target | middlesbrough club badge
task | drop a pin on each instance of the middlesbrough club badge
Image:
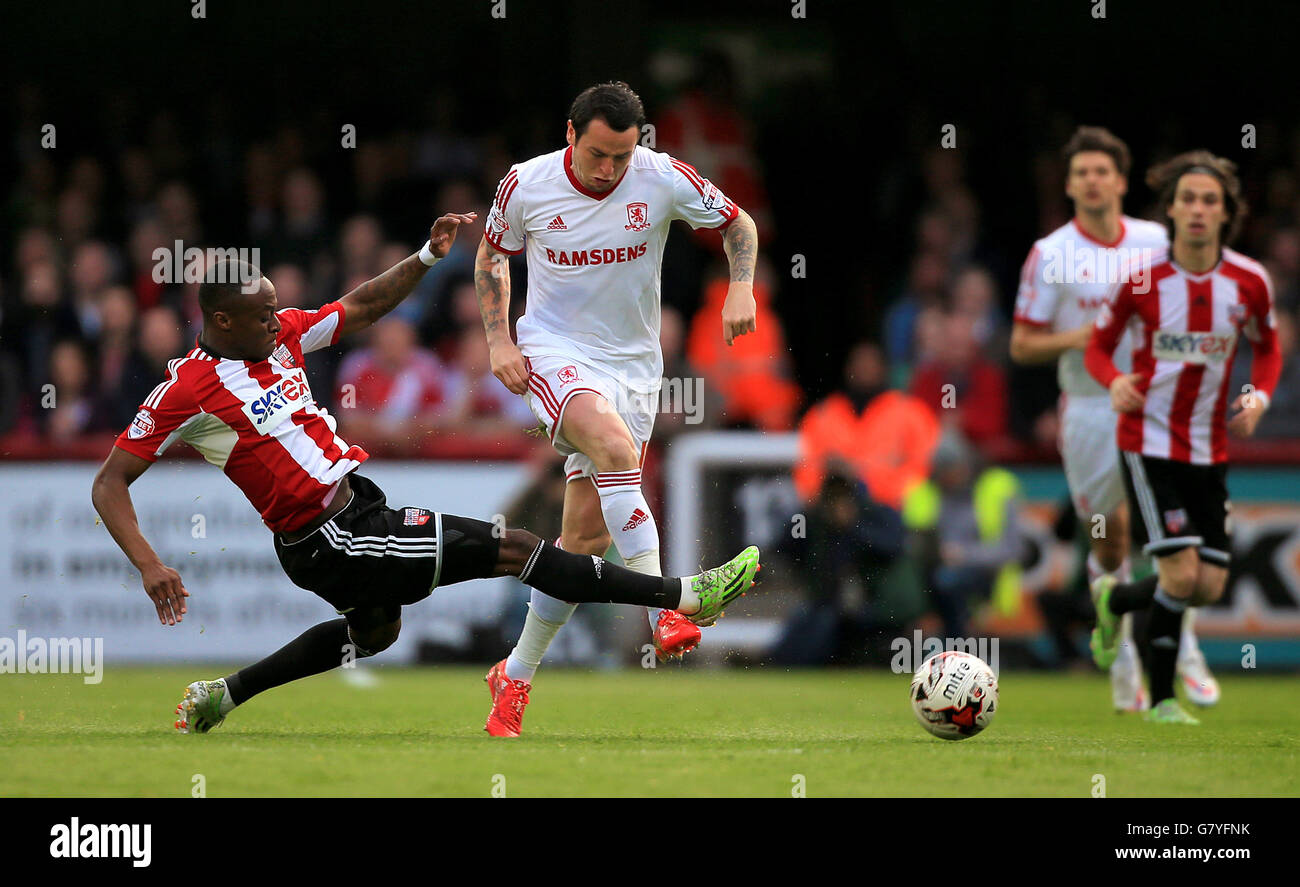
(567, 375)
(638, 217)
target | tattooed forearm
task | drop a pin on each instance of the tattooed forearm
(375, 298)
(492, 284)
(740, 241)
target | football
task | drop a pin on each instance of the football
(954, 695)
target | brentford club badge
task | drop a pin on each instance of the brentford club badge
(567, 375)
(1176, 520)
(1236, 313)
(638, 217)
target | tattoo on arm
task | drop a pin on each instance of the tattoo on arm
(382, 294)
(492, 285)
(740, 241)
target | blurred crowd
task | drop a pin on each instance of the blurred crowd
(87, 323)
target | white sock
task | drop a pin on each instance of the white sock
(1127, 656)
(546, 616)
(227, 704)
(1188, 643)
(631, 525)
(690, 602)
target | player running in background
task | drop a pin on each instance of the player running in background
(594, 217)
(240, 397)
(1063, 283)
(1186, 312)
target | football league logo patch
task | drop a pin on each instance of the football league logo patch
(415, 517)
(712, 197)
(141, 426)
(283, 354)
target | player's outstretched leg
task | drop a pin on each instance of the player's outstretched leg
(1199, 684)
(319, 649)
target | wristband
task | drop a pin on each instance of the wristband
(1263, 398)
(427, 256)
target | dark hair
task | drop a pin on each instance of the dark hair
(1163, 179)
(613, 102)
(223, 282)
(1098, 138)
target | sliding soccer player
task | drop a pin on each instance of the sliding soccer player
(1187, 311)
(240, 397)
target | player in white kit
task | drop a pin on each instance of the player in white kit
(1063, 284)
(593, 218)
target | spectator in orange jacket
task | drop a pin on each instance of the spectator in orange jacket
(886, 436)
(752, 373)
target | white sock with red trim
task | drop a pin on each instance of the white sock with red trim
(546, 616)
(630, 523)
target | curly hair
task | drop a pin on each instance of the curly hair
(1163, 179)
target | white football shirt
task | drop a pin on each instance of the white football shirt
(594, 258)
(1068, 276)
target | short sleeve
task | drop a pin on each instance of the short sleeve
(160, 418)
(1036, 299)
(505, 222)
(312, 329)
(698, 201)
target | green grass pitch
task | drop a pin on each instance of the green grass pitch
(669, 732)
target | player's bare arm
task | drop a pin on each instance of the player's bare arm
(112, 500)
(740, 241)
(375, 298)
(1249, 409)
(492, 285)
(1031, 345)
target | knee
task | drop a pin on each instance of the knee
(1209, 591)
(377, 639)
(1110, 553)
(516, 547)
(1179, 581)
(612, 451)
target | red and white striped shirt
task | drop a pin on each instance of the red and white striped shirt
(1186, 329)
(255, 420)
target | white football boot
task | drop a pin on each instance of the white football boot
(1201, 687)
(1127, 689)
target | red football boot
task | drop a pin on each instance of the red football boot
(674, 635)
(509, 699)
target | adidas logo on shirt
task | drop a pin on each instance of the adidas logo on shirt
(557, 224)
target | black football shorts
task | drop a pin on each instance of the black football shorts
(372, 557)
(1176, 505)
